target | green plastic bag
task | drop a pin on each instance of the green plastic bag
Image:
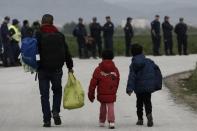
(73, 93)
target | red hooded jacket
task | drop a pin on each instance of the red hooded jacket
(106, 79)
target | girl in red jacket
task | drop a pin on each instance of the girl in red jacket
(106, 79)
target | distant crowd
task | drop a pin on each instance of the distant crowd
(88, 43)
(10, 38)
(92, 44)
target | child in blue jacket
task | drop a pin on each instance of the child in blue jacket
(143, 81)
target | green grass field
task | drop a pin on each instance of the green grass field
(191, 83)
(144, 40)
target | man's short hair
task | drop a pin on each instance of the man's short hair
(7, 18)
(157, 16)
(107, 55)
(36, 23)
(129, 18)
(136, 49)
(181, 19)
(108, 17)
(47, 19)
(166, 17)
(25, 22)
(94, 19)
(80, 19)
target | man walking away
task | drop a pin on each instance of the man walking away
(167, 34)
(15, 40)
(108, 31)
(156, 37)
(80, 33)
(5, 36)
(181, 31)
(53, 52)
(95, 31)
(128, 29)
(24, 29)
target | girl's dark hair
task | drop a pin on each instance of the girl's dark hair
(107, 55)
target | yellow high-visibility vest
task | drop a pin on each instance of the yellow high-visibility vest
(17, 35)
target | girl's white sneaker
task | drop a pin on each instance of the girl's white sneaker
(111, 125)
(102, 124)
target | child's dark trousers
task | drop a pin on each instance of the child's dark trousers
(143, 99)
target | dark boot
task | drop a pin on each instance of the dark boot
(150, 120)
(139, 122)
(47, 124)
(57, 119)
(140, 118)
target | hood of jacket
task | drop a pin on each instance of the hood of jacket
(138, 61)
(107, 66)
(48, 28)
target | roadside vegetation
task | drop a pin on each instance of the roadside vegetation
(191, 84)
(184, 87)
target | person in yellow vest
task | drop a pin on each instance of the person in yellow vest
(15, 40)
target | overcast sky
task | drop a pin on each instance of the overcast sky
(70, 10)
(153, 1)
(173, 8)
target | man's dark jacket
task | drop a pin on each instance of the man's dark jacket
(181, 29)
(4, 33)
(128, 29)
(167, 29)
(108, 30)
(52, 29)
(95, 30)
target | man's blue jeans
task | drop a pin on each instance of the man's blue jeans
(55, 78)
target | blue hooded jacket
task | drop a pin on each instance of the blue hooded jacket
(142, 75)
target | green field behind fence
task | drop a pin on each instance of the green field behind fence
(144, 40)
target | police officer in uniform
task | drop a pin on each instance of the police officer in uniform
(156, 37)
(108, 31)
(181, 31)
(167, 34)
(95, 32)
(5, 37)
(80, 33)
(128, 29)
(15, 33)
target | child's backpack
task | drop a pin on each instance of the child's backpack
(29, 50)
(158, 78)
(149, 78)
